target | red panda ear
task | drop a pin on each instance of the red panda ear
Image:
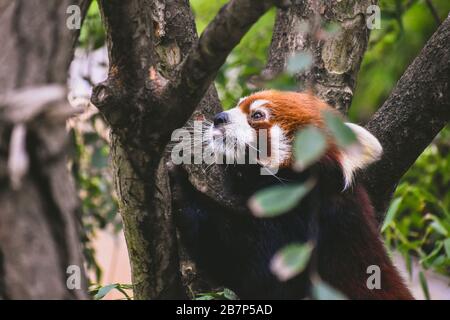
(360, 155)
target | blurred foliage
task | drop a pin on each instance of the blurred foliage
(418, 222)
(225, 294)
(405, 28)
(99, 292)
(323, 291)
(91, 162)
(92, 35)
(94, 182)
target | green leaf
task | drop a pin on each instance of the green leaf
(409, 265)
(276, 200)
(341, 132)
(291, 260)
(439, 227)
(226, 294)
(122, 289)
(229, 295)
(299, 62)
(424, 285)
(323, 291)
(103, 291)
(205, 297)
(447, 247)
(390, 215)
(425, 261)
(309, 146)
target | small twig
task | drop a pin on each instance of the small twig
(433, 11)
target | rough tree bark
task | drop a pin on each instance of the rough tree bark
(336, 59)
(39, 227)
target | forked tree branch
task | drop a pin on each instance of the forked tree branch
(130, 40)
(415, 112)
(200, 67)
(132, 34)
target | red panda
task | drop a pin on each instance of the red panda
(236, 249)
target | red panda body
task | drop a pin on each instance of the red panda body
(235, 249)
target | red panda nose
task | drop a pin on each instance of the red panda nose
(221, 119)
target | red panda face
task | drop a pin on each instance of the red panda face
(273, 118)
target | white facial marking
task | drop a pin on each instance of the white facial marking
(232, 139)
(280, 148)
(280, 144)
(258, 103)
(237, 116)
(360, 155)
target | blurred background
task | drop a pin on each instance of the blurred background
(417, 226)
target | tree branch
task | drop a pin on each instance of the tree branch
(129, 31)
(415, 112)
(200, 68)
(130, 39)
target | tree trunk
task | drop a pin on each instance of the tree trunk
(337, 56)
(39, 226)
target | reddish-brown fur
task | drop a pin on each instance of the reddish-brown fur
(359, 247)
(292, 111)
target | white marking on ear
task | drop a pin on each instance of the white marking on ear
(361, 154)
(241, 100)
(258, 103)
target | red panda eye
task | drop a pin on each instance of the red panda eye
(258, 115)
